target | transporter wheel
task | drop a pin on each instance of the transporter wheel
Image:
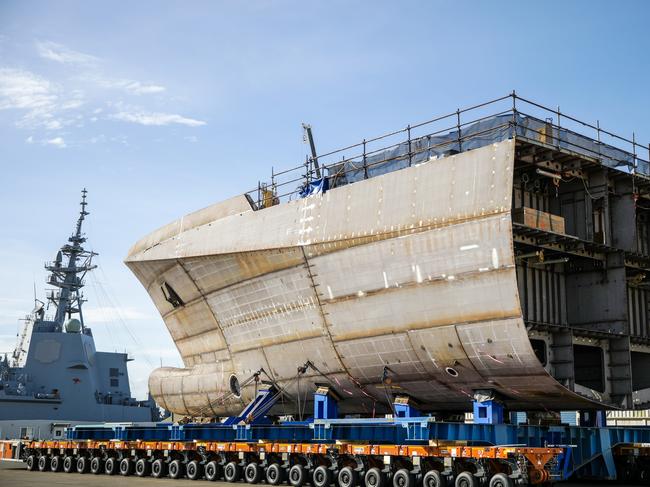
(96, 465)
(194, 470)
(43, 463)
(465, 479)
(374, 478)
(403, 478)
(501, 480)
(56, 463)
(32, 462)
(83, 465)
(348, 477)
(69, 464)
(232, 472)
(110, 466)
(158, 468)
(142, 467)
(433, 478)
(213, 471)
(253, 473)
(274, 474)
(297, 475)
(175, 469)
(322, 476)
(126, 467)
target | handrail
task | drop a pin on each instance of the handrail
(304, 173)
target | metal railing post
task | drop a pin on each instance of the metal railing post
(514, 113)
(600, 159)
(365, 165)
(559, 125)
(460, 146)
(634, 151)
(408, 131)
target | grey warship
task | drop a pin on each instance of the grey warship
(55, 377)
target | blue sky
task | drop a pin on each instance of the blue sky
(161, 108)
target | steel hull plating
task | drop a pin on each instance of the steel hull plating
(413, 270)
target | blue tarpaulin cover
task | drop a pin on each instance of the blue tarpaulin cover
(317, 186)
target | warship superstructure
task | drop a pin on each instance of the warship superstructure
(503, 258)
(55, 376)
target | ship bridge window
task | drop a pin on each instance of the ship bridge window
(115, 382)
(113, 372)
(171, 296)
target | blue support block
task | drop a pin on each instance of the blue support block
(325, 404)
(488, 412)
(403, 408)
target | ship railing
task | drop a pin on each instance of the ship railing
(509, 116)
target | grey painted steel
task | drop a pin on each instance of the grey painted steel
(413, 270)
(56, 375)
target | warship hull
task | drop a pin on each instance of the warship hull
(404, 283)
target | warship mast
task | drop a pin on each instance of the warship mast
(69, 276)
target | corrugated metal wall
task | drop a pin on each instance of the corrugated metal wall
(542, 293)
(637, 303)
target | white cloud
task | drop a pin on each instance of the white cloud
(24, 90)
(30, 140)
(157, 119)
(41, 101)
(110, 314)
(191, 138)
(57, 142)
(130, 86)
(62, 54)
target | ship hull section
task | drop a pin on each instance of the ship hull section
(403, 283)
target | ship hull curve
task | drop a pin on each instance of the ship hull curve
(401, 284)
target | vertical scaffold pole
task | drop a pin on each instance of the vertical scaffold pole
(408, 131)
(365, 164)
(460, 146)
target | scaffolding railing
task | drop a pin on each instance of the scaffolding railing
(464, 129)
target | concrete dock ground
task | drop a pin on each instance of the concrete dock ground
(14, 474)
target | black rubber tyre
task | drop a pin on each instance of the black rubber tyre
(97, 465)
(142, 467)
(194, 470)
(465, 479)
(348, 477)
(321, 476)
(374, 478)
(69, 464)
(213, 471)
(176, 469)
(56, 464)
(433, 478)
(43, 463)
(83, 465)
(275, 474)
(110, 466)
(297, 475)
(253, 473)
(501, 480)
(126, 467)
(32, 462)
(158, 468)
(232, 472)
(403, 478)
